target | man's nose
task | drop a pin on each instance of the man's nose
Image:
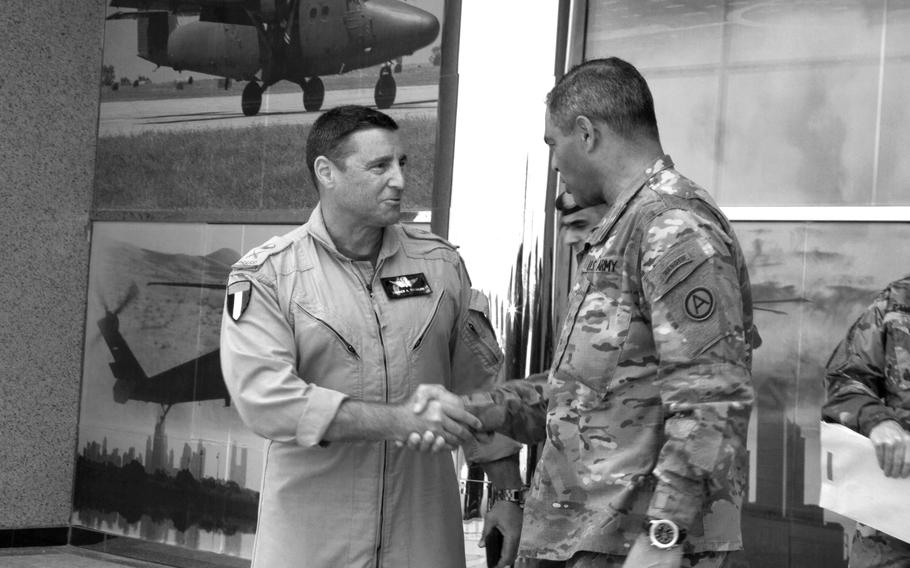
(396, 178)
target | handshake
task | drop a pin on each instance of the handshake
(437, 419)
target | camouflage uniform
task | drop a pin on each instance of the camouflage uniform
(647, 404)
(868, 382)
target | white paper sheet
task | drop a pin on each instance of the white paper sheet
(855, 486)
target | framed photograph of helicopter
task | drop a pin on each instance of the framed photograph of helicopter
(206, 104)
(163, 455)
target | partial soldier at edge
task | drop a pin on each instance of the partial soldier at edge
(867, 380)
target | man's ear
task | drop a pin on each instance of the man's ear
(324, 170)
(586, 131)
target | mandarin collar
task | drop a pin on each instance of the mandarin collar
(391, 240)
(603, 228)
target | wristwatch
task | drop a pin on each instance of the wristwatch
(664, 533)
(516, 496)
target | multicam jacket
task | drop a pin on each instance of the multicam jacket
(647, 403)
(868, 375)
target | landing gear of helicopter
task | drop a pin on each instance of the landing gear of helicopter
(313, 94)
(251, 99)
(384, 93)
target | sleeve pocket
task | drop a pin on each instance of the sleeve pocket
(673, 268)
(479, 335)
(478, 358)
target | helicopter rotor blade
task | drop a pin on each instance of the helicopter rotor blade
(131, 294)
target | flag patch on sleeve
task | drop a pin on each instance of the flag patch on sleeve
(238, 298)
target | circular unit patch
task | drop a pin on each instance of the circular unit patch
(699, 304)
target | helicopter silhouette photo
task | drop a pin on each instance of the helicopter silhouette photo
(162, 453)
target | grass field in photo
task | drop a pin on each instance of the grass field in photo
(260, 167)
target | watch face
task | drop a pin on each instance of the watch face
(664, 533)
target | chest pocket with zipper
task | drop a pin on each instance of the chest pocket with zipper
(328, 352)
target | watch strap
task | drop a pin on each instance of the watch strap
(516, 496)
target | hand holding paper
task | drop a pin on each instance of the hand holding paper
(892, 448)
(854, 485)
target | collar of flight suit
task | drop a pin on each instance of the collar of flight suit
(603, 228)
(391, 239)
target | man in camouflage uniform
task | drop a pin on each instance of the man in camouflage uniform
(646, 407)
(868, 384)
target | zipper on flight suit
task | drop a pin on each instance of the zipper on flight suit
(426, 327)
(326, 324)
(385, 367)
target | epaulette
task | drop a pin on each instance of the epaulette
(422, 235)
(258, 255)
(480, 302)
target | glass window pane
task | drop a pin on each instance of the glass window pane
(893, 166)
(661, 33)
(686, 109)
(787, 31)
(799, 136)
(787, 102)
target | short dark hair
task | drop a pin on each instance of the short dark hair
(331, 130)
(611, 90)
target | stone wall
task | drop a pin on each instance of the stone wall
(49, 76)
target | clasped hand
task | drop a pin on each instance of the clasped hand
(441, 421)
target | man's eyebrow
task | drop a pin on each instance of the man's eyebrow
(379, 160)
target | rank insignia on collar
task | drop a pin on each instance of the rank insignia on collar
(406, 286)
(238, 298)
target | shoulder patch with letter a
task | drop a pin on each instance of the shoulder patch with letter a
(406, 286)
(699, 304)
(238, 298)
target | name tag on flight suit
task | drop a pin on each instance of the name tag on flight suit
(406, 286)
